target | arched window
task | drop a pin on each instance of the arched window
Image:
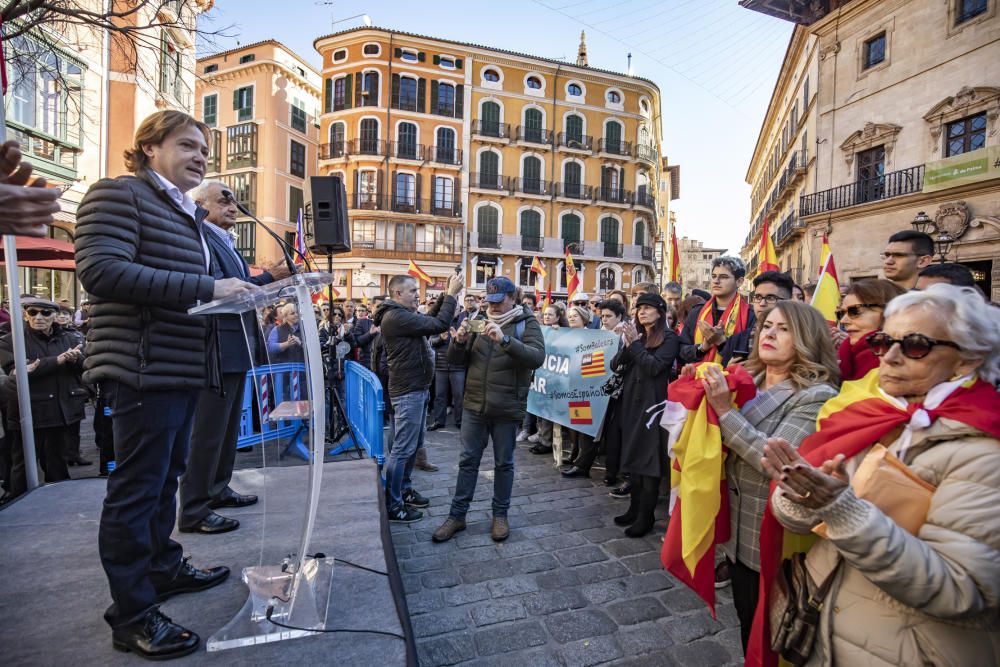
(613, 137)
(574, 128)
(563, 280)
(533, 82)
(534, 129)
(491, 75)
(643, 135)
(571, 229)
(608, 279)
(573, 180)
(640, 233)
(488, 227)
(370, 89)
(406, 141)
(337, 135)
(531, 175)
(614, 97)
(490, 122)
(574, 89)
(371, 49)
(531, 230)
(446, 146)
(609, 237)
(489, 170)
(369, 137)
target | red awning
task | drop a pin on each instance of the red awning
(31, 249)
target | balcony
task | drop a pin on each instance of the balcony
(894, 184)
(214, 152)
(246, 240)
(446, 249)
(575, 246)
(646, 153)
(790, 176)
(534, 135)
(333, 151)
(575, 142)
(533, 186)
(646, 253)
(789, 226)
(60, 156)
(575, 191)
(487, 240)
(532, 243)
(405, 150)
(615, 148)
(241, 146)
(494, 182)
(404, 203)
(366, 147)
(446, 155)
(244, 188)
(612, 249)
(614, 196)
(491, 129)
(645, 199)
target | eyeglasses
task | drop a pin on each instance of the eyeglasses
(854, 312)
(769, 299)
(44, 312)
(913, 346)
(898, 255)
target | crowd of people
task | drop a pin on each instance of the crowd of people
(911, 364)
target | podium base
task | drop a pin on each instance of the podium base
(300, 600)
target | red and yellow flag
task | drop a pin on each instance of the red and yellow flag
(572, 279)
(539, 270)
(768, 257)
(547, 301)
(675, 258)
(858, 417)
(734, 320)
(700, 517)
(826, 298)
(419, 273)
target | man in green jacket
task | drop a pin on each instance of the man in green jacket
(500, 360)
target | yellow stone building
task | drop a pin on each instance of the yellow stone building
(262, 103)
(459, 155)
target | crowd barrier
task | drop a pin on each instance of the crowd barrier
(365, 407)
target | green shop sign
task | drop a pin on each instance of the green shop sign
(972, 167)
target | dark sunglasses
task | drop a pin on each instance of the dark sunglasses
(44, 312)
(913, 346)
(855, 311)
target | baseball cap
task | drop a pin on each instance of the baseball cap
(499, 287)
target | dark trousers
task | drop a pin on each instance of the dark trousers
(746, 590)
(213, 449)
(50, 448)
(443, 380)
(104, 435)
(477, 431)
(151, 431)
(586, 450)
(611, 439)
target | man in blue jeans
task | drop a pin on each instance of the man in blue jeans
(500, 360)
(404, 335)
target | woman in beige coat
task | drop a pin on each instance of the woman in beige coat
(901, 599)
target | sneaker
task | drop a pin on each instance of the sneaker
(404, 514)
(722, 575)
(522, 436)
(622, 492)
(533, 437)
(414, 499)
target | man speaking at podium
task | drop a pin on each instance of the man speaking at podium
(205, 484)
(141, 254)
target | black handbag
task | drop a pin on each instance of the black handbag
(613, 386)
(796, 607)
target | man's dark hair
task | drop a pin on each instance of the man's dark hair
(396, 283)
(614, 305)
(673, 287)
(783, 281)
(534, 299)
(955, 274)
(920, 243)
(702, 293)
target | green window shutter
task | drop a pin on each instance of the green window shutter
(421, 57)
(395, 91)
(437, 59)
(458, 63)
(398, 52)
(250, 100)
(422, 95)
(348, 86)
(459, 100)
(434, 96)
(358, 81)
(328, 96)
(417, 192)
(236, 99)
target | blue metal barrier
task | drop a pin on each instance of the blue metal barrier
(365, 407)
(273, 385)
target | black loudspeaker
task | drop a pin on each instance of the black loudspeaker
(331, 231)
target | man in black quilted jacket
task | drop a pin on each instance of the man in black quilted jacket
(141, 254)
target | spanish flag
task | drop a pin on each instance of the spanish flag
(768, 257)
(826, 298)
(539, 270)
(419, 273)
(572, 279)
(854, 420)
(734, 320)
(592, 365)
(700, 517)
(364, 299)
(579, 412)
(675, 258)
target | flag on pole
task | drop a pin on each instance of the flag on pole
(364, 299)
(675, 258)
(572, 280)
(826, 298)
(768, 257)
(300, 240)
(539, 270)
(419, 273)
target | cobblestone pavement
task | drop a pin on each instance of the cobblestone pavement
(567, 588)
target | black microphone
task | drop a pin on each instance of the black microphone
(282, 243)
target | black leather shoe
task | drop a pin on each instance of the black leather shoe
(155, 637)
(435, 426)
(212, 524)
(575, 471)
(191, 580)
(540, 449)
(234, 500)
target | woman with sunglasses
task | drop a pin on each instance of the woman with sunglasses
(899, 597)
(860, 314)
(55, 367)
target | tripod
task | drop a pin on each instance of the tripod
(343, 424)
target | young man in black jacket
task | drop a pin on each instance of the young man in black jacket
(405, 332)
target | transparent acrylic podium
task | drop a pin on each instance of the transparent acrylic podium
(289, 586)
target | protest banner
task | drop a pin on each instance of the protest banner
(567, 388)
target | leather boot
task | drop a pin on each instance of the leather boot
(421, 462)
(648, 493)
(632, 513)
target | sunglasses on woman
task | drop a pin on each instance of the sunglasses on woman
(854, 312)
(913, 346)
(44, 312)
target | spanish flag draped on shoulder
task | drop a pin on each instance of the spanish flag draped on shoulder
(419, 273)
(854, 420)
(700, 517)
(734, 320)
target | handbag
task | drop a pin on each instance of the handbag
(795, 613)
(613, 386)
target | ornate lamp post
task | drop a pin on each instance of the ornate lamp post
(924, 224)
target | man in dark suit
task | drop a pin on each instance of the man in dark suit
(205, 484)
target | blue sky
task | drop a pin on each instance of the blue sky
(715, 64)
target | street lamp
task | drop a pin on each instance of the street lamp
(943, 244)
(922, 223)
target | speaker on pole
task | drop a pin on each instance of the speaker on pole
(331, 231)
